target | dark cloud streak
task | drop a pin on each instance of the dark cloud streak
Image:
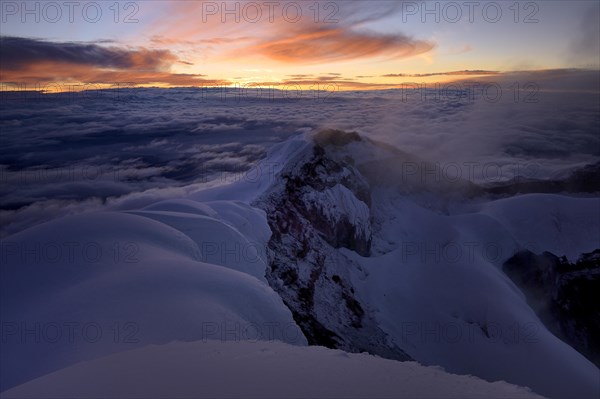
(453, 73)
(39, 61)
(19, 52)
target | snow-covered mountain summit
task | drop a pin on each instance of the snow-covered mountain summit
(341, 241)
(372, 252)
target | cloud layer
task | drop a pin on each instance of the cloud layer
(72, 152)
(39, 61)
(321, 45)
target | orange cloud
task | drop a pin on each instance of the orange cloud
(45, 72)
(305, 41)
(338, 44)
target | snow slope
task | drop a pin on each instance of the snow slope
(256, 370)
(556, 223)
(85, 286)
(442, 297)
(427, 277)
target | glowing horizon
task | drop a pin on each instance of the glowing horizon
(350, 46)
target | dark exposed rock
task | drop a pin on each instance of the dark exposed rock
(583, 180)
(564, 296)
(319, 204)
(335, 137)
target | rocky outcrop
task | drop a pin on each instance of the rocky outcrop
(583, 180)
(563, 295)
(319, 204)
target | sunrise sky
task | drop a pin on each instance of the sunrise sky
(353, 45)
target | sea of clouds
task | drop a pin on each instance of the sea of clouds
(125, 148)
